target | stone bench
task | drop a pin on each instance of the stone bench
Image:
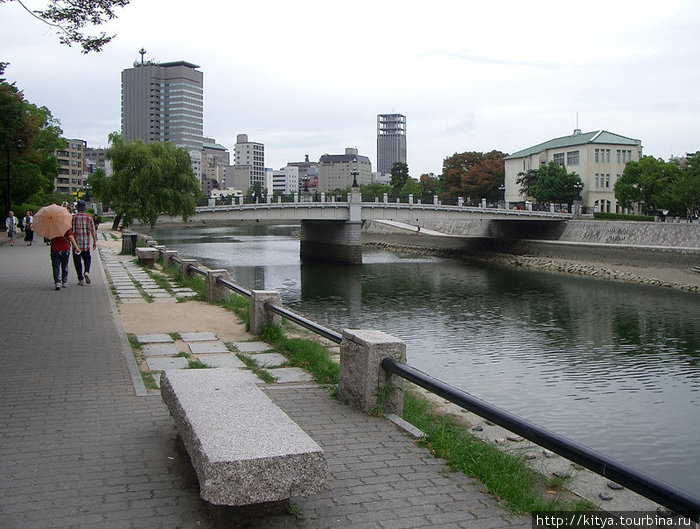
(147, 256)
(244, 449)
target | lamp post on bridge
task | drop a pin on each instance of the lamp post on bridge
(577, 202)
(502, 189)
(354, 173)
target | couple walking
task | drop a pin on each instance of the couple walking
(82, 229)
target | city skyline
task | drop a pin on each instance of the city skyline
(469, 78)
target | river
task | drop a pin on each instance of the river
(613, 366)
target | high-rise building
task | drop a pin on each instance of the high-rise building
(391, 141)
(72, 171)
(249, 163)
(163, 102)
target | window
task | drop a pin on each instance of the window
(607, 155)
(559, 158)
(596, 155)
(607, 181)
(596, 180)
(618, 156)
(572, 158)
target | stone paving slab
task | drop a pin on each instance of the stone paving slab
(159, 349)
(222, 360)
(154, 338)
(161, 364)
(268, 359)
(200, 348)
(251, 347)
(286, 375)
(198, 337)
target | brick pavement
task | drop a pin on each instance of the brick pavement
(80, 449)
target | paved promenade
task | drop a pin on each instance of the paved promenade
(80, 449)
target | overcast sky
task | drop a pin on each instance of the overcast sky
(310, 77)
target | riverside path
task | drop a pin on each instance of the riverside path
(80, 449)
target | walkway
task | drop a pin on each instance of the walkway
(79, 449)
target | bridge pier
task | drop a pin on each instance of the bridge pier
(331, 241)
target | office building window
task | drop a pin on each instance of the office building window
(572, 158)
(559, 158)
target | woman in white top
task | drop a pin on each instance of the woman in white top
(11, 227)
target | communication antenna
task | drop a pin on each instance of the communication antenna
(142, 52)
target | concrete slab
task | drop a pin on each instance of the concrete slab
(286, 375)
(272, 458)
(268, 359)
(161, 364)
(154, 338)
(198, 337)
(200, 348)
(160, 349)
(252, 347)
(230, 361)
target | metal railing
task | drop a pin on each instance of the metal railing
(656, 490)
(667, 495)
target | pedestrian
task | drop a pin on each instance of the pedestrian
(60, 252)
(83, 230)
(11, 224)
(27, 225)
(96, 220)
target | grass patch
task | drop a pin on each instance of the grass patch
(261, 373)
(602, 215)
(195, 283)
(196, 364)
(505, 475)
(307, 354)
(148, 380)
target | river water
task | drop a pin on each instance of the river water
(613, 366)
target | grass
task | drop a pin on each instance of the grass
(505, 475)
(261, 373)
(195, 283)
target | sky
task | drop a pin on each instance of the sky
(309, 77)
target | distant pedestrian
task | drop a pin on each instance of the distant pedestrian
(60, 253)
(27, 226)
(83, 231)
(96, 220)
(11, 224)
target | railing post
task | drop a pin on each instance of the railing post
(435, 200)
(184, 267)
(362, 383)
(259, 316)
(410, 198)
(213, 291)
(168, 255)
(460, 201)
(385, 198)
(296, 198)
(483, 203)
(323, 198)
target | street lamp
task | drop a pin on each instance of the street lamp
(578, 187)
(502, 189)
(354, 173)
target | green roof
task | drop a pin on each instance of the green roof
(597, 136)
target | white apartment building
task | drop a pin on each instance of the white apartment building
(249, 163)
(286, 180)
(597, 157)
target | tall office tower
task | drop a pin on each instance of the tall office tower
(391, 141)
(163, 102)
(249, 163)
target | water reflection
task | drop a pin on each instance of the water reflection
(613, 366)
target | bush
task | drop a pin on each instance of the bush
(600, 215)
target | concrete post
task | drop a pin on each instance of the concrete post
(551, 207)
(240, 200)
(213, 290)
(259, 317)
(151, 243)
(323, 198)
(385, 198)
(435, 200)
(269, 198)
(296, 197)
(410, 198)
(362, 383)
(506, 205)
(211, 202)
(184, 264)
(483, 203)
(168, 255)
(279, 199)
(460, 201)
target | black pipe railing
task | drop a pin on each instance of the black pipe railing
(233, 286)
(667, 495)
(305, 322)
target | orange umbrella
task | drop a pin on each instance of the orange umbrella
(52, 221)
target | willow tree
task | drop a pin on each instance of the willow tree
(148, 180)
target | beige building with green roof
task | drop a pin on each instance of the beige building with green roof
(598, 157)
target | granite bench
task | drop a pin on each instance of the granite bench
(147, 256)
(245, 450)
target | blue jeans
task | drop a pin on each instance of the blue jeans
(78, 260)
(59, 264)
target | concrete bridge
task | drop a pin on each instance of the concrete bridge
(330, 231)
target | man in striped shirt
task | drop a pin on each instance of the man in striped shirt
(83, 229)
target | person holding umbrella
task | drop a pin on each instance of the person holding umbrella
(54, 223)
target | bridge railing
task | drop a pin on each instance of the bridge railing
(656, 490)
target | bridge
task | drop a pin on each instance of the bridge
(330, 230)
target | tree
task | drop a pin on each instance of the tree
(554, 184)
(411, 187)
(473, 174)
(148, 180)
(646, 183)
(28, 137)
(399, 176)
(71, 17)
(526, 180)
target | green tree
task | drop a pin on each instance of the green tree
(71, 17)
(554, 184)
(399, 175)
(526, 180)
(28, 137)
(473, 174)
(646, 183)
(429, 184)
(148, 180)
(411, 187)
